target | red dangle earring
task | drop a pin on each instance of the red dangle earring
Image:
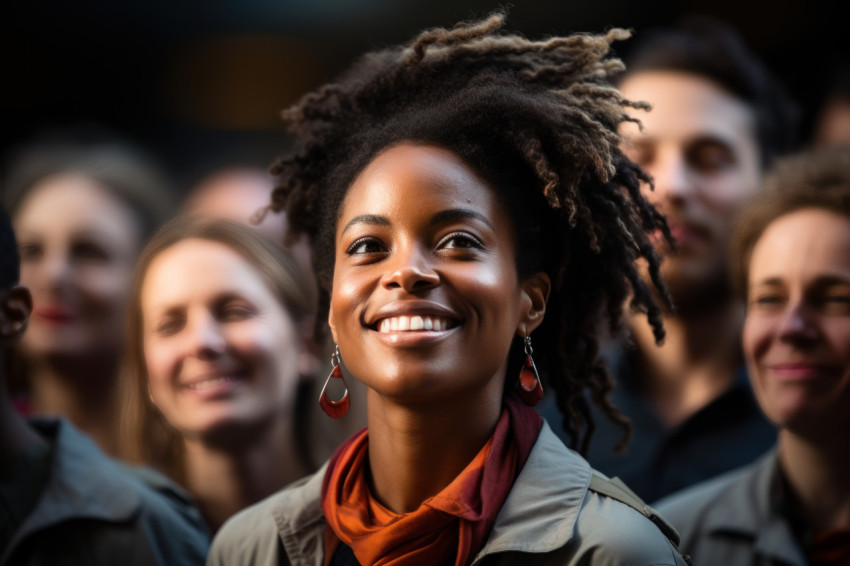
(335, 409)
(530, 389)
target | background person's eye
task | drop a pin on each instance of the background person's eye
(235, 312)
(89, 251)
(169, 326)
(30, 251)
(710, 157)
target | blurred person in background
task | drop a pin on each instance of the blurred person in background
(82, 210)
(718, 119)
(62, 501)
(242, 193)
(216, 370)
(832, 120)
(791, 263)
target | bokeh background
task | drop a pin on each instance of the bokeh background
(201, 82)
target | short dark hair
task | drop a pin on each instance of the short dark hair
(10, 261)
(709, 48)
(538, 120)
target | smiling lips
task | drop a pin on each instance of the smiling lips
(414, 323)
(799, 371)
(212, 380)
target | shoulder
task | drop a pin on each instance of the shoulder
(615, 532)
(286, 524)
(686, 509)
(110, 507)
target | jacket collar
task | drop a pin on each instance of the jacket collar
(540, 514)
(755, 511)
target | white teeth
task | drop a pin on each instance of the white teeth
(412, 323)
(207, 383)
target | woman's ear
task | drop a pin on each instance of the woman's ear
(15, 310)
(535, 291)
(332, 324)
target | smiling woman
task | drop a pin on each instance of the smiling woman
(791, 258)
(466, 196)
(215, 362)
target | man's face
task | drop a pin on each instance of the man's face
(698, 143)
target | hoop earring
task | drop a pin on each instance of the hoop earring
(335, 409)
(530, 389)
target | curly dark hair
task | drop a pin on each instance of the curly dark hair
(538, 121)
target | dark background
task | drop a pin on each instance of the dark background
(202, 82)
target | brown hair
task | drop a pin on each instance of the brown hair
(817, 178)
(150, 438)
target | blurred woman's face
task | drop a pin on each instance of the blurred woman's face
(797, 331)
(221, 350)
(426, 299)
(78, 244)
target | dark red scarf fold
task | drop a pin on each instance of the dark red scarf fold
(451, 526)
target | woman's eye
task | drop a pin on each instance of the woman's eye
(767, 301)
(367, 245)
(460, 240)
(29, 251)
(168, 326)
(89, 251)
(836, 303)
(236, 312)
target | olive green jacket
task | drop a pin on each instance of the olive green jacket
(737, 519)
(550, 513)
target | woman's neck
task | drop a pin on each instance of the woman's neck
(226, 479)
(819, 475)
(415, 452)
(83, 391)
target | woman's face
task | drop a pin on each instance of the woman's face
(797, 331)
(78, 246)
(221, 350)
(426, 298)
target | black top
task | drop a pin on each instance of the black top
(729, 432)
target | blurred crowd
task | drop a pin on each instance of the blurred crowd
(116, 284)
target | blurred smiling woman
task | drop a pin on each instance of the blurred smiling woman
(215, 362)
(791, 255)
(82, 211)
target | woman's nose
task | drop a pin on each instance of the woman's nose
(411, 270)
(206, 339)
(54, 270)
(797, 325)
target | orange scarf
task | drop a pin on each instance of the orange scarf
(450, 527)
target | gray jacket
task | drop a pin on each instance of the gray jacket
(550, 513)
(736, 519)
(93, 512)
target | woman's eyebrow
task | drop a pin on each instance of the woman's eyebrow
(460, 213)
(370, 219)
